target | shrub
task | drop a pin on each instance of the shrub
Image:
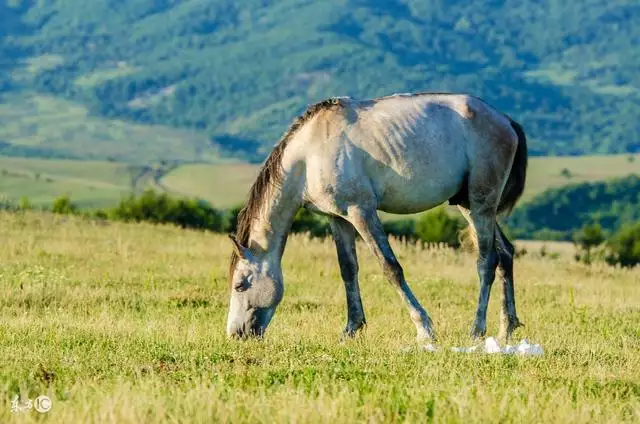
(308, 222)
(8, 205)
(588, 238)
(437, 226)
(625, 246)
(401, 228)
(591, 235)
(63, 205)
(161, 208)
(25, 204)
(231, 219)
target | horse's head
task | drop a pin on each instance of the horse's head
(256, 291)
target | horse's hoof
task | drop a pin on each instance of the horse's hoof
(351, 331)
(477, 332)
(512, 326)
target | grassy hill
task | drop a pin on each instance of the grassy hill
(238, 72)
(36, 125)
(226, 184)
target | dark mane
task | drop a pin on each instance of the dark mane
(271, 175)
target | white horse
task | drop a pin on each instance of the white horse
(349, 158)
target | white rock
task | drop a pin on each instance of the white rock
(509, 350)
(491, 345)
(429, 347)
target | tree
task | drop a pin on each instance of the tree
(625, 246)
(438, 226)
(63, 205)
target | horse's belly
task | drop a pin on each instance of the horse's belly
(420, 191)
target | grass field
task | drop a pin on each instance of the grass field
(546, 172)
(125, 323)
(90, 183)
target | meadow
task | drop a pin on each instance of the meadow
(125, 323)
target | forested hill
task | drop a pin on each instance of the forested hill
(239, 71)
(559, 212)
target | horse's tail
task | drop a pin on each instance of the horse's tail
(517, 176)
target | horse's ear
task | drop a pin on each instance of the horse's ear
(240, 250)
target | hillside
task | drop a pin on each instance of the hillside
(44, 126)
(238, 72)
(558, 213)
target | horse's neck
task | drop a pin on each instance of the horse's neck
(270, 228)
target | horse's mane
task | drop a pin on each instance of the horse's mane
(271, 175)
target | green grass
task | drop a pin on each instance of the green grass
(38, 125)
(125, 323)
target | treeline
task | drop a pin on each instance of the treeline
(435, 227)
(557, 214)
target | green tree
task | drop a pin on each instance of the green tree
(625, 246)
(590, 236)
(25, 204)
(63, 205)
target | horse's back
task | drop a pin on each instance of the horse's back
(406, 153)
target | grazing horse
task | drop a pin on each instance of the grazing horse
(349, 158)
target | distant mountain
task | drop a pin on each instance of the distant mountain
(239, 71)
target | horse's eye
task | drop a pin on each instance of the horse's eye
(240, 286)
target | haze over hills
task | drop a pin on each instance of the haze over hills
(234, 74)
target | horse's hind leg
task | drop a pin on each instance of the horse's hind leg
(509, 320)
(483, 222)
(344, 236)
(370, 228)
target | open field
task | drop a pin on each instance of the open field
(90, 183)
(125, 323)
(226, 184)
(546, 172)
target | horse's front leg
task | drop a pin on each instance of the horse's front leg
(344, 236)
(370, 228)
